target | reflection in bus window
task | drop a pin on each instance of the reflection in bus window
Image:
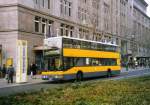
(67, 43)
(53, 63)
(73, 43)
(76, 44)
(68, 62)
(79, 61)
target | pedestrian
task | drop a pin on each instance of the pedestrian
(10, 73)
(4, 71)
(1, 73)
(33, 69)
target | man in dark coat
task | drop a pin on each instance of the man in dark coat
(33, 69)
(4, 70)
(10, 73)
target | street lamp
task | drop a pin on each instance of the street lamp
(44, 45)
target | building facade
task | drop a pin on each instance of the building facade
(100, 20)
(141, 32)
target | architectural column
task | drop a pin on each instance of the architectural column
(56, 29)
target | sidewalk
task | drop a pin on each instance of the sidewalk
(3, 82)
(123, 69)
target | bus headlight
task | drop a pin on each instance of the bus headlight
(44, 77)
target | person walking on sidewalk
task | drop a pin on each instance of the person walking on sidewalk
(10, 73)
(1, 73)
(4, 70)
(33, 69)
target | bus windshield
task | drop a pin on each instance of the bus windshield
(53, 63)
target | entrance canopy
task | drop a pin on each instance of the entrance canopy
(41, 48)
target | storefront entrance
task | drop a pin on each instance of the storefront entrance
(39, 57)
(39, 60)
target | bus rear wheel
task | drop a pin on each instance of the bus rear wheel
(79, 76)
(109, 74)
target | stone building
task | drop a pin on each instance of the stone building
(100, 20)
(141, 32)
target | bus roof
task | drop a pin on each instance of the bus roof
(110, 44)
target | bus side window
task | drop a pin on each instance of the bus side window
(99, 62)
(95, 62)
(79, 61)
(87, 61)
(68, 62)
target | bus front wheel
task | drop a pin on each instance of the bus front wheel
(79, 76)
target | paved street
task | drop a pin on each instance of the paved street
(38, 84)
(133, 73)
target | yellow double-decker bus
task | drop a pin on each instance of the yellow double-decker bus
(72, 58)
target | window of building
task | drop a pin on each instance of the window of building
(95, 4)
(66, 30)
(61, 6)
(48, 4)
(106, 15)
(65, 7)
(82, 14)
(36, 1)
(43, 3)
(71, 31)
(50, 28)
(62, 29)
(79, 13)
(84, 1)
(84, 34)
(43, 25)
(69, 8)
(37, 23)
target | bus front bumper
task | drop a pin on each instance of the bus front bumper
(53, 77)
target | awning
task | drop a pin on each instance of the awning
(41, 48)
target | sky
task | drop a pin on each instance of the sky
(148, 9)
